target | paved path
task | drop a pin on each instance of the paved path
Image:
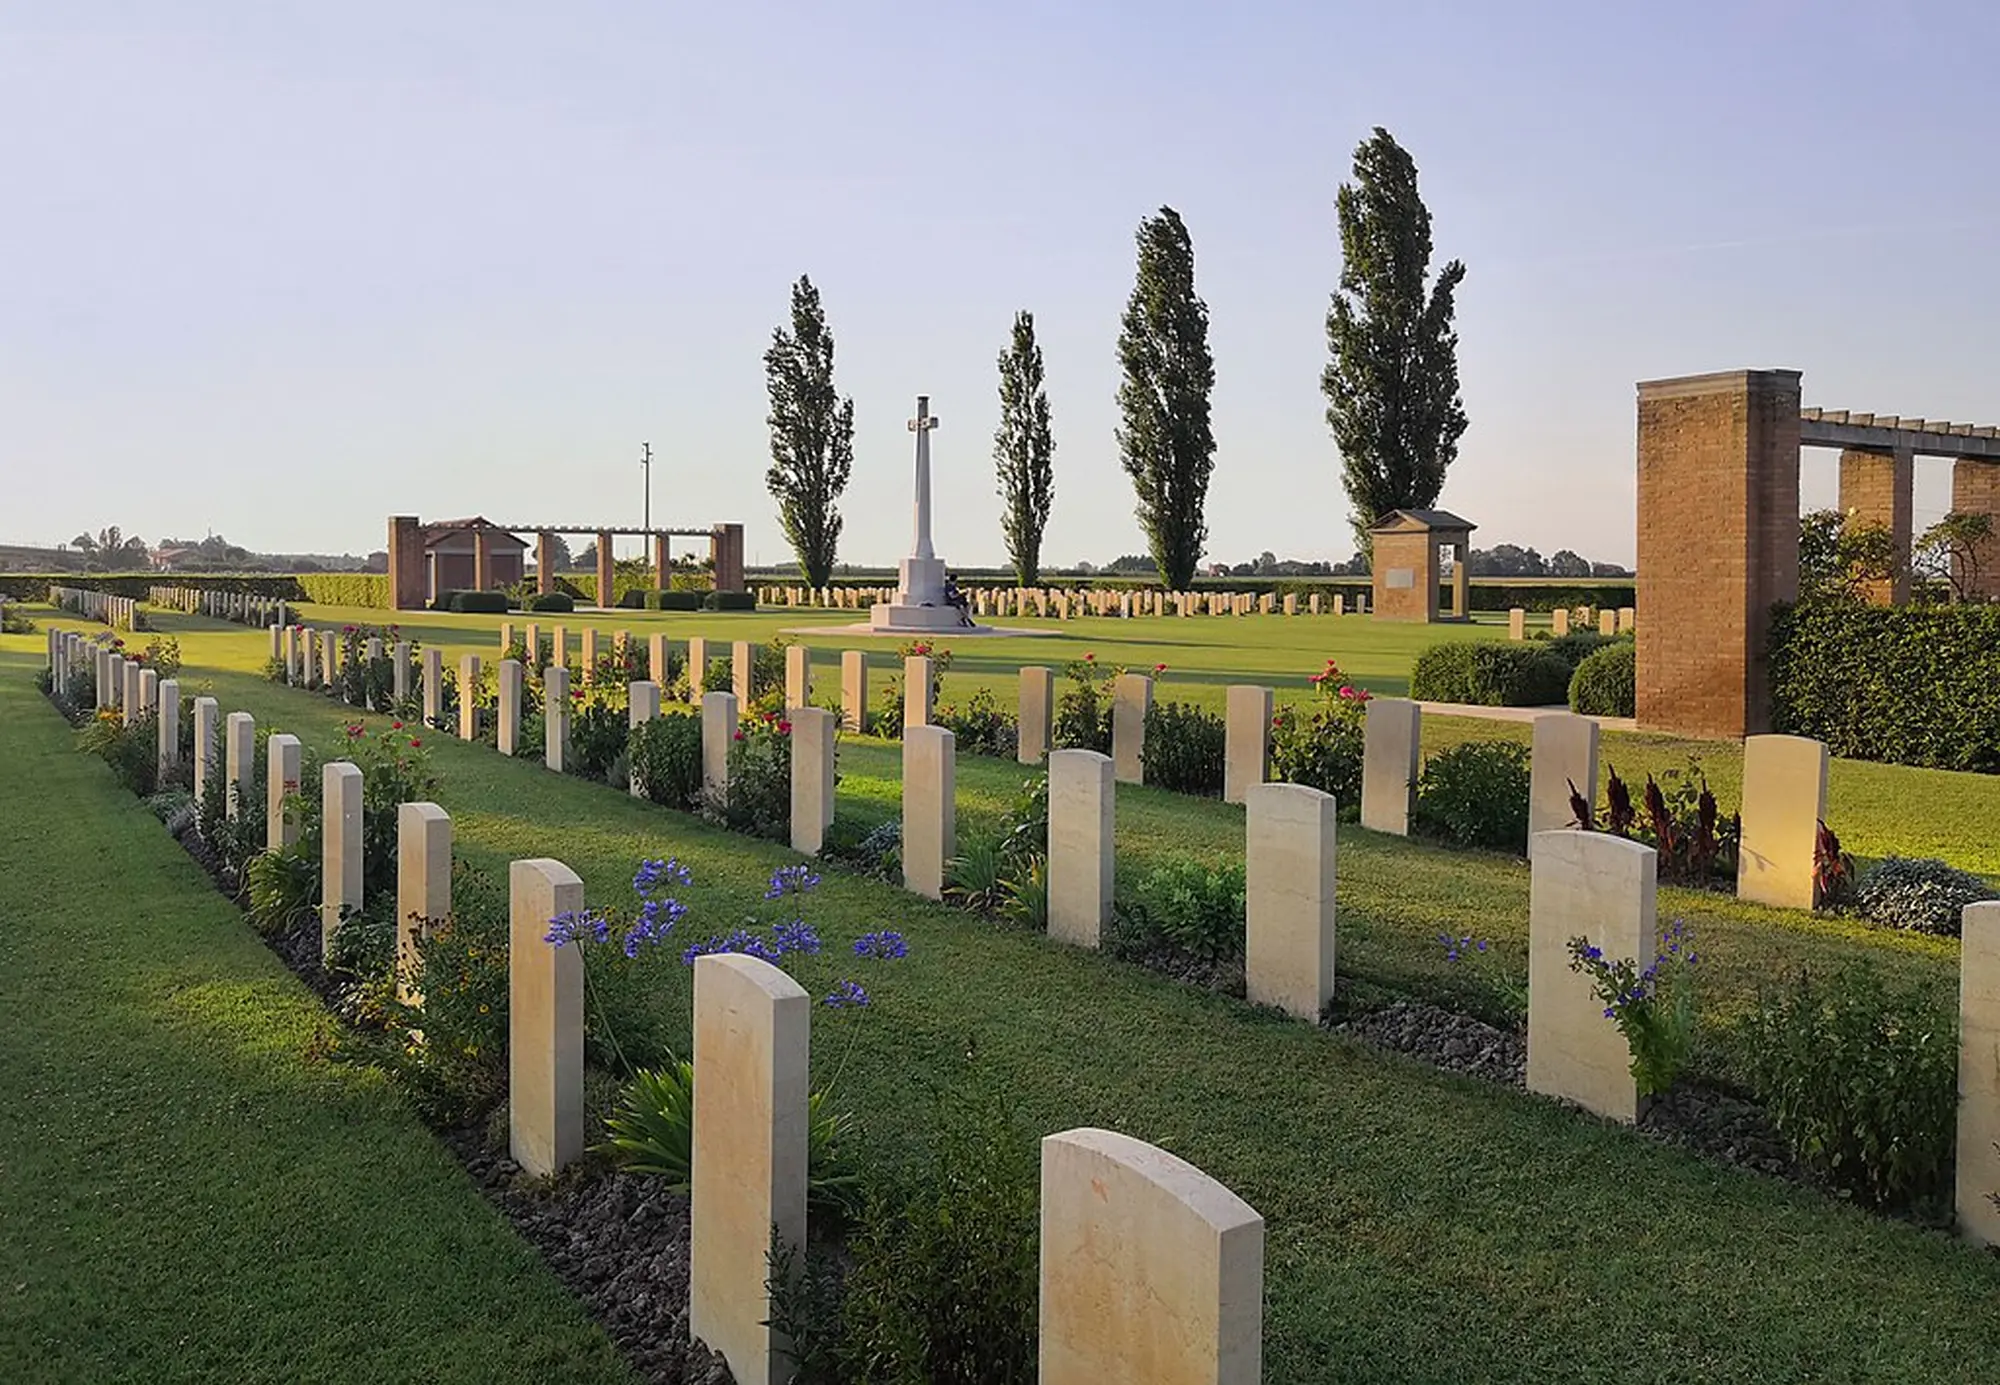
(1522, 714)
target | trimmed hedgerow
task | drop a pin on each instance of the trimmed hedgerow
(1604, 684)
(345, 588)
(469, 602)
(1489, 675)
(729, 601)
(1910, 685)
(549, 601)
(1922, 895)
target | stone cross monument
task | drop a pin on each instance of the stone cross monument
(920, 603)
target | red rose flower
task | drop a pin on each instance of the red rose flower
(395, 726)
(414, 742)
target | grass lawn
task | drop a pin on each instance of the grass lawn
(1421, 1227)
(184, 1196)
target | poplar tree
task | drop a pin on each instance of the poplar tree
(1392, 384)
(1024, 451)
(1165, 442)
(812, 435)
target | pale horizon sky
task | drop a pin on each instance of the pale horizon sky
(279, 271)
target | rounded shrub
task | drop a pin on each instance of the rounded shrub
(1921, 895)
(730, 601)
(1476, 794)
(673, 601)
(1576, 646)
(481, 602)
(1604, 684)
(1489, 675)
(550, 601)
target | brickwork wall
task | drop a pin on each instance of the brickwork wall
(408, 580)
(1718, 532)
(1878, 488)
(1418, 554)
(1975, 489)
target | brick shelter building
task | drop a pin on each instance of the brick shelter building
(480, 555)
(1407, 569)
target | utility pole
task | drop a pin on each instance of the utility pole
(646, 461)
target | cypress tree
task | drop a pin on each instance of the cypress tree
(1024, 451)
(1165, 442)
(1392, 384)
(812, 434)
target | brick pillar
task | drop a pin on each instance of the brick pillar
(1877, 488)
(408, 578)
(725, 547)
(663, 561)
(1975, 490)
(545, 561)
(607, 571)
(1461, 580)
(1718, 545)
(482, 560)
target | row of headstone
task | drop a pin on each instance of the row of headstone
(1065, 603)
(1603, 888)
(244, 608)
(1151, 1270)
(1620, 621)
(118, 612)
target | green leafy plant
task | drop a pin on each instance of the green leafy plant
(758, 798)
(1184, 748)
(1861, 1077)
(1476, 794)
(1318, 743)
(1653, 1007)
(652, 1132)
(976, 877)
(1196, 908)
(943, 1268)
(1027, 894)
(1921, 895)
(982, 727)
(1605, 683)
(664, 759)
(1083, 711)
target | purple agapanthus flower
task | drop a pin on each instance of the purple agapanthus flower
(847, 995)
(791, 880)
(574, 925)
(884, 946)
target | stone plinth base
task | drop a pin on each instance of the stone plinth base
(894, 619)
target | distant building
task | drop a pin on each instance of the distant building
(451, 555)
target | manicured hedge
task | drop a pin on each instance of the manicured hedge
(674, 600)
(1911, 685)
(1489, 675)
(729, 601)
(549, 601)
(1604, 684)
(473, 602)
(346, 588)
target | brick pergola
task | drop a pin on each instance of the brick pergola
(406, 555)
(1719, 528)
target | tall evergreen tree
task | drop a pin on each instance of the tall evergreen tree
(812, 434)
(1165, 442)
(1392, 385)
(1024, 451)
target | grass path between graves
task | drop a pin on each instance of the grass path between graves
(1421, 1227)
(184, 1195)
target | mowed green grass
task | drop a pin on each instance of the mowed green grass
(184, 1194)
(1420, 1227)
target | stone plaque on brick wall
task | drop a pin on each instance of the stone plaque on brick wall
(1399, 578)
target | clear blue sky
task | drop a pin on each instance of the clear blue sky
(280, 270)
